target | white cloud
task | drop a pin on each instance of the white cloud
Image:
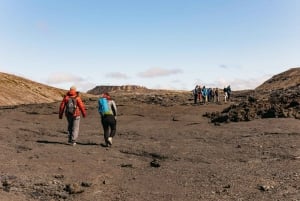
(65, 80)
(158, 72)
(85, 86)
(117, 75)
(58, 78)
(240, 84)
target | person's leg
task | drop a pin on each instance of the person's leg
(70, 128)
(105, 126)
(76, 123)
(113, 126)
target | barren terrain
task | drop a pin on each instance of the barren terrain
(159, 153)
(166, 148)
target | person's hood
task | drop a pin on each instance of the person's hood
(72, 92)
(105, 95)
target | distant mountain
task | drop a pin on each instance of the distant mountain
(124, 88)
(15, 90)
(284, 80)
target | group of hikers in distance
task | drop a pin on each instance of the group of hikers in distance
(73, 107)
(205, 95)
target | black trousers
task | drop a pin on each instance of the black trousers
(109, 125)
(195, 98)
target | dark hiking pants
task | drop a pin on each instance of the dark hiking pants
(109, 125)
(195, 98)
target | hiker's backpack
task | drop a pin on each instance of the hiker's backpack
(71, 105)
(104, 108)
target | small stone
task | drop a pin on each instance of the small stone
(59, 176)
(155, 163)
(86, 184)
(265, 187)
(73, 188)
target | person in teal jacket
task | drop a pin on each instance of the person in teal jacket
(108, 111)
(204, 94)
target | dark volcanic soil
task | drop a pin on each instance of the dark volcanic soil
(159, 153)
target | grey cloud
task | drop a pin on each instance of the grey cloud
(117, 75)
(158, 72)
(223, 66)
(59, 78)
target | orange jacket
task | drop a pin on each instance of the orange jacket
(80, 106)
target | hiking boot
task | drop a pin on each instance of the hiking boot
(104, 145)
(109, 140)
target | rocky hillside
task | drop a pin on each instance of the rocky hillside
(278, 97)
(285, 80)
(139, 94)
(15, 90)
(281, 90)
(106, 88)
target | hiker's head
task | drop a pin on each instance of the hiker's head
(106, 95)
(73, 88)
(72, 91)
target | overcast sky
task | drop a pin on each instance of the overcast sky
(166, 44)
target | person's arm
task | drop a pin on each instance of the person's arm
(114, 108)
(62, 108)
(81, 106)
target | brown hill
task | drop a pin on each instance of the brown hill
(15, 90)
(107, 88)
(278, 97)
(284, 80)
(140, 94)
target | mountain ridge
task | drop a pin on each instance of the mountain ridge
(286, 79)
(16, 90)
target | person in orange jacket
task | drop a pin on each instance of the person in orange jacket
(73, 117)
